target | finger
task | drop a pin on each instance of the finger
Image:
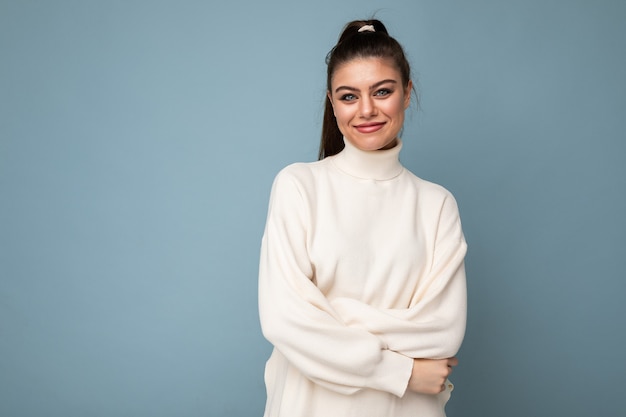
(453, 361)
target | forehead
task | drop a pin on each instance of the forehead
(365, 71)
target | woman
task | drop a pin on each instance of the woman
(361, 283)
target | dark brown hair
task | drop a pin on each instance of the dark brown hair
(353, 44)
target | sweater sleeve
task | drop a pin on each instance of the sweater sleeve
(298, 319)
(433, 326)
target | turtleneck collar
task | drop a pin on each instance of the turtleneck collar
(374, 165)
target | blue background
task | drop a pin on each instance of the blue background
(138, 142)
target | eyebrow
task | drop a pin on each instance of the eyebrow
(372, 87)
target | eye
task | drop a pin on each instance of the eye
(383, 92)
(347, 97)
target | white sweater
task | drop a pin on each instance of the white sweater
(361, 270)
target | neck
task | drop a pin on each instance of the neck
(376, 165)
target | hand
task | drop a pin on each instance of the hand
(429, 375)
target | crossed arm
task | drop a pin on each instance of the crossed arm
(346, 345)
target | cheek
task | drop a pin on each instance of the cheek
(343, 115)
(396, 110)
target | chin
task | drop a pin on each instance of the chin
(372, 144)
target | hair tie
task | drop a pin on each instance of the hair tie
(367, 28)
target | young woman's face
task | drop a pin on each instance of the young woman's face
(369, 100)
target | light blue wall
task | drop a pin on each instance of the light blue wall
(138, 141)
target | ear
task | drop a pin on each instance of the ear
(407, 94)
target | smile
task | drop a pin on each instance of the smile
(369, 127)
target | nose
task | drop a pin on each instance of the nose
(367, 107)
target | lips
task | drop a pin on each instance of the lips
(369, 127)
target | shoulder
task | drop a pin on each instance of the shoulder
(429, 189)
(300, 174)
(296, 181)
(434, 199)
(439, 207)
